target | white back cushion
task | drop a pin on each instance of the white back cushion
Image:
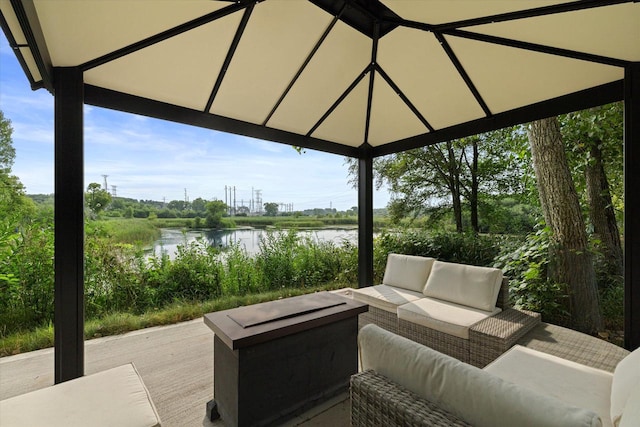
(626, 377)
(631, 414)
(475, 396)
(464, 284)
(573, 383)
(407, 271)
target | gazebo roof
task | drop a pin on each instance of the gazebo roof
(334, 75)
(361, 78)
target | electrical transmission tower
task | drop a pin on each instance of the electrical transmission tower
(113, 190)
(106, 187)
(259, 201)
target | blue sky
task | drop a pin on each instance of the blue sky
(153, 159)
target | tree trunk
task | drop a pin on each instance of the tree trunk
(561, 207)
(603, 217)
(473, 200)
(454, 173)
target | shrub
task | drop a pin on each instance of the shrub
(446, 246)
(525, 262)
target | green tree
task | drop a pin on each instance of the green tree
(271, 209)
(14, 205)
(450, 176)
(199, 205)
(7, 152)
(178, 205)
(593, 138)
(572, 261)
(97, 198)
(215, 211)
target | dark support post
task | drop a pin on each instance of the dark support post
(632, 206)
(365, 216)
(69, 224)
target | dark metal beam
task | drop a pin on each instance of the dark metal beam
(172, 32)
(229, 57)
(632, 207)
(593, 97)
(374, 56)
(365, 216)
(17, 49)
(341, 98)
(463, 73)
(302, 67)
(529, 13)
(404, 97)
(30, 24)
(106, 98)
(69, 224)
(565, 53)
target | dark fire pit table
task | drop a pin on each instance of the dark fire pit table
(274, 360)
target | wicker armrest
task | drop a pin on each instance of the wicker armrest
(493, 336)
(377, 401)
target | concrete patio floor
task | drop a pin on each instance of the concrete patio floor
(176, 364)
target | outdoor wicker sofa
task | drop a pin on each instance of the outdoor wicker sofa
(405, 383)
(457, 309)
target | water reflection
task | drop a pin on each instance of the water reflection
(248, 239)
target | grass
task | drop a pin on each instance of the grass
(119, 323)
(132, 231)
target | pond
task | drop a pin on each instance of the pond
(247, 238)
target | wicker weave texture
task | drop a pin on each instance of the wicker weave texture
(493, 336)
(377, 316)
(503, 295)
(440, 341)
(376, 401)
(576, 346)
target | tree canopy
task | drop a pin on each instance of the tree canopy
(271, 209)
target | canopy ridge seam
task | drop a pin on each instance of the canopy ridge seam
(229, 57)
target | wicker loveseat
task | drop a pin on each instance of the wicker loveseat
(457, 309)
(405, 383)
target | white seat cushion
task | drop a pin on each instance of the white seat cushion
(385, 297)
(407, 271)
(471, 394)
(626, 377)
(469, 285)
(443, 316)
(570, 382)
(116, 397)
